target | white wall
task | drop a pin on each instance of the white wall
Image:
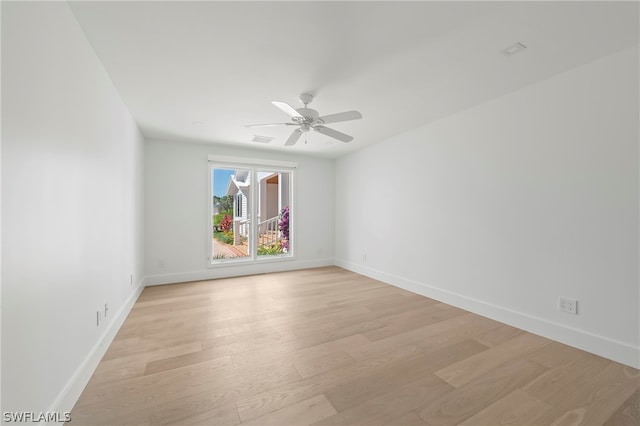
(177, 233)
(72, 202)
(499, 209)
(506, 206)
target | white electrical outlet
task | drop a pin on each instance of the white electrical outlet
(569, 306)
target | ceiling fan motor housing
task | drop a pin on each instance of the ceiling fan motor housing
(309, 116)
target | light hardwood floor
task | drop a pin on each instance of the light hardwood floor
(329, 347)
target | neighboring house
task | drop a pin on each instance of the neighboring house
(239, 187)
(216, 207)
(273, 196)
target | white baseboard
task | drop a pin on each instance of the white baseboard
(76, 384)
(599, 345)
(227, 271)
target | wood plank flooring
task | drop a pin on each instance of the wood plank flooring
(329, 347)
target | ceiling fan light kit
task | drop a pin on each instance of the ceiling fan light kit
(306, 119)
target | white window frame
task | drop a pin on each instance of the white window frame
(254, 166)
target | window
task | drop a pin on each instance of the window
(251, 210)
(238, 211)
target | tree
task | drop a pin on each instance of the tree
(224, 203)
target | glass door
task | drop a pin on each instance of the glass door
(251, 213)
(274, 213)
(231, 213)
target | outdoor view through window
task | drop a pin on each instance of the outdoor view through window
(251, 210)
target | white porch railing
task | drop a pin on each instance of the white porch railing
(240, 231)
(268, 232)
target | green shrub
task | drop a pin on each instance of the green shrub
(224, 236)
(270, 250)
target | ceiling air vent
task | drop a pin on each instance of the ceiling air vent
(513, 49)
(262, 139)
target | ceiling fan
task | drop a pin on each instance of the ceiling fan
(307, 119)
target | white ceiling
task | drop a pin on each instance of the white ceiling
(401, 64)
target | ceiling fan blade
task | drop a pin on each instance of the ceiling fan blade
(293, 138)
(341, 116)
(333, 133)
(288, 109)
(270, 125)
